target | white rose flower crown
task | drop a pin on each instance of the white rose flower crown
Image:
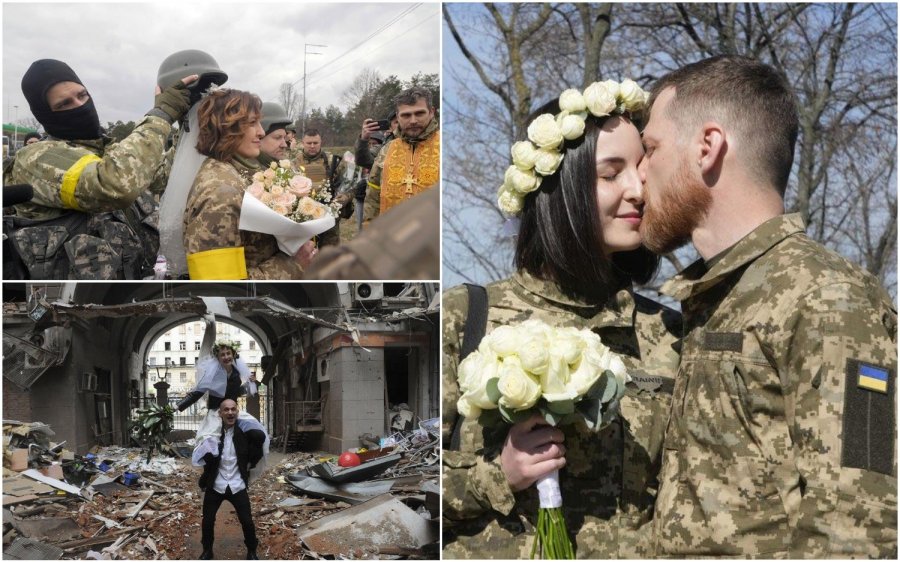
(542, 153)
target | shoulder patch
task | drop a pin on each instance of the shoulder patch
(869, 424)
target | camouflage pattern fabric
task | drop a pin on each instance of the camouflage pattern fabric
(115, 235)
(213, 213)
(384, 251)
(124, 171)
(775, 447)
(609, 482)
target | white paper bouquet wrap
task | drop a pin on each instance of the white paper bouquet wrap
(256, 216)
(564, 374)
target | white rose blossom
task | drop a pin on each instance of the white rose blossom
(523, 182)
(286, 164)
(518, 389)
(572, 126)
(503, 341)
(571, 100)
(601, 101)
(474, 373)
(510, 201)
(544, 132)
(632, 95)
(524, 154)
(547, 162)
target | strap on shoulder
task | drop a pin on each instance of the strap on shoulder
(473, 333)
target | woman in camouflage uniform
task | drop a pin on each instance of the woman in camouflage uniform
(578, 255)
(229, 136)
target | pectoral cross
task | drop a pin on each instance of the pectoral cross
(409, 181)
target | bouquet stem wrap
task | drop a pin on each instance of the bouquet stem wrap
(552, 535)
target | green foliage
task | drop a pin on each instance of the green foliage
(151, 427)
(515, 416)
(493, 390)
(119, 130)
(376, 102)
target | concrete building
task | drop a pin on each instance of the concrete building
(176, 351)
(334, 357)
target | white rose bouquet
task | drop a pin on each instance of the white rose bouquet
(565, 375)
(282, 203)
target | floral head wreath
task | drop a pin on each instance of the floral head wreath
(542, 153)
(234, 346)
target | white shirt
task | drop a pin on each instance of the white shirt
(228, 475)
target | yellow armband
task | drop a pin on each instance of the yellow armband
(221, 263)
(70, 180)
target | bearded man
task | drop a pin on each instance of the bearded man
(781, 441)
(410, 163)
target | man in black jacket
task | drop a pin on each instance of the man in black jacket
(226, 477)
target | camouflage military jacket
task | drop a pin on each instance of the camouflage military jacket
(92, 176)
(609, 482)
(212, 216)
(383, 251)
(94, 213)
(782, 437)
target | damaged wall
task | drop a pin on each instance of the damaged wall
(356, 397)
(360, 379)
(62, 399)
(16, 403)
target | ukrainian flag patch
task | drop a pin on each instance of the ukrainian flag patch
(871, 377)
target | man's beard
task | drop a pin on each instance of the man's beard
(671, 217)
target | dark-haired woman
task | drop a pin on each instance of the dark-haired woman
(229, 135)
(578, 257)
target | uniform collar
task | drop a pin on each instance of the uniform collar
(696, 278)
(245, 165)
(94, 144)
(617, 311)
(264, 160)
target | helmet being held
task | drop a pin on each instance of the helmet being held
(191, 61)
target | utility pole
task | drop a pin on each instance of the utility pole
(16, 134)
(306, 51)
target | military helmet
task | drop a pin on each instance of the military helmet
(274, 117)
(191, 61)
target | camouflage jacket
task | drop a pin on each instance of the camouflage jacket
(609, 482)
(212, 216)
(94, 213)
(782, 437)
(92, 176)
(383, 251)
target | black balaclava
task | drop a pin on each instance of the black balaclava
(71, 124)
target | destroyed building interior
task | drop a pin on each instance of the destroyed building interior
(342, 367)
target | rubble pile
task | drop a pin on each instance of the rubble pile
(111, 504)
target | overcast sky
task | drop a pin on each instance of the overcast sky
(116, 48)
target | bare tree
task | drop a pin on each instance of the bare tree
(290, 99)
(508, 47)
(364, 85)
